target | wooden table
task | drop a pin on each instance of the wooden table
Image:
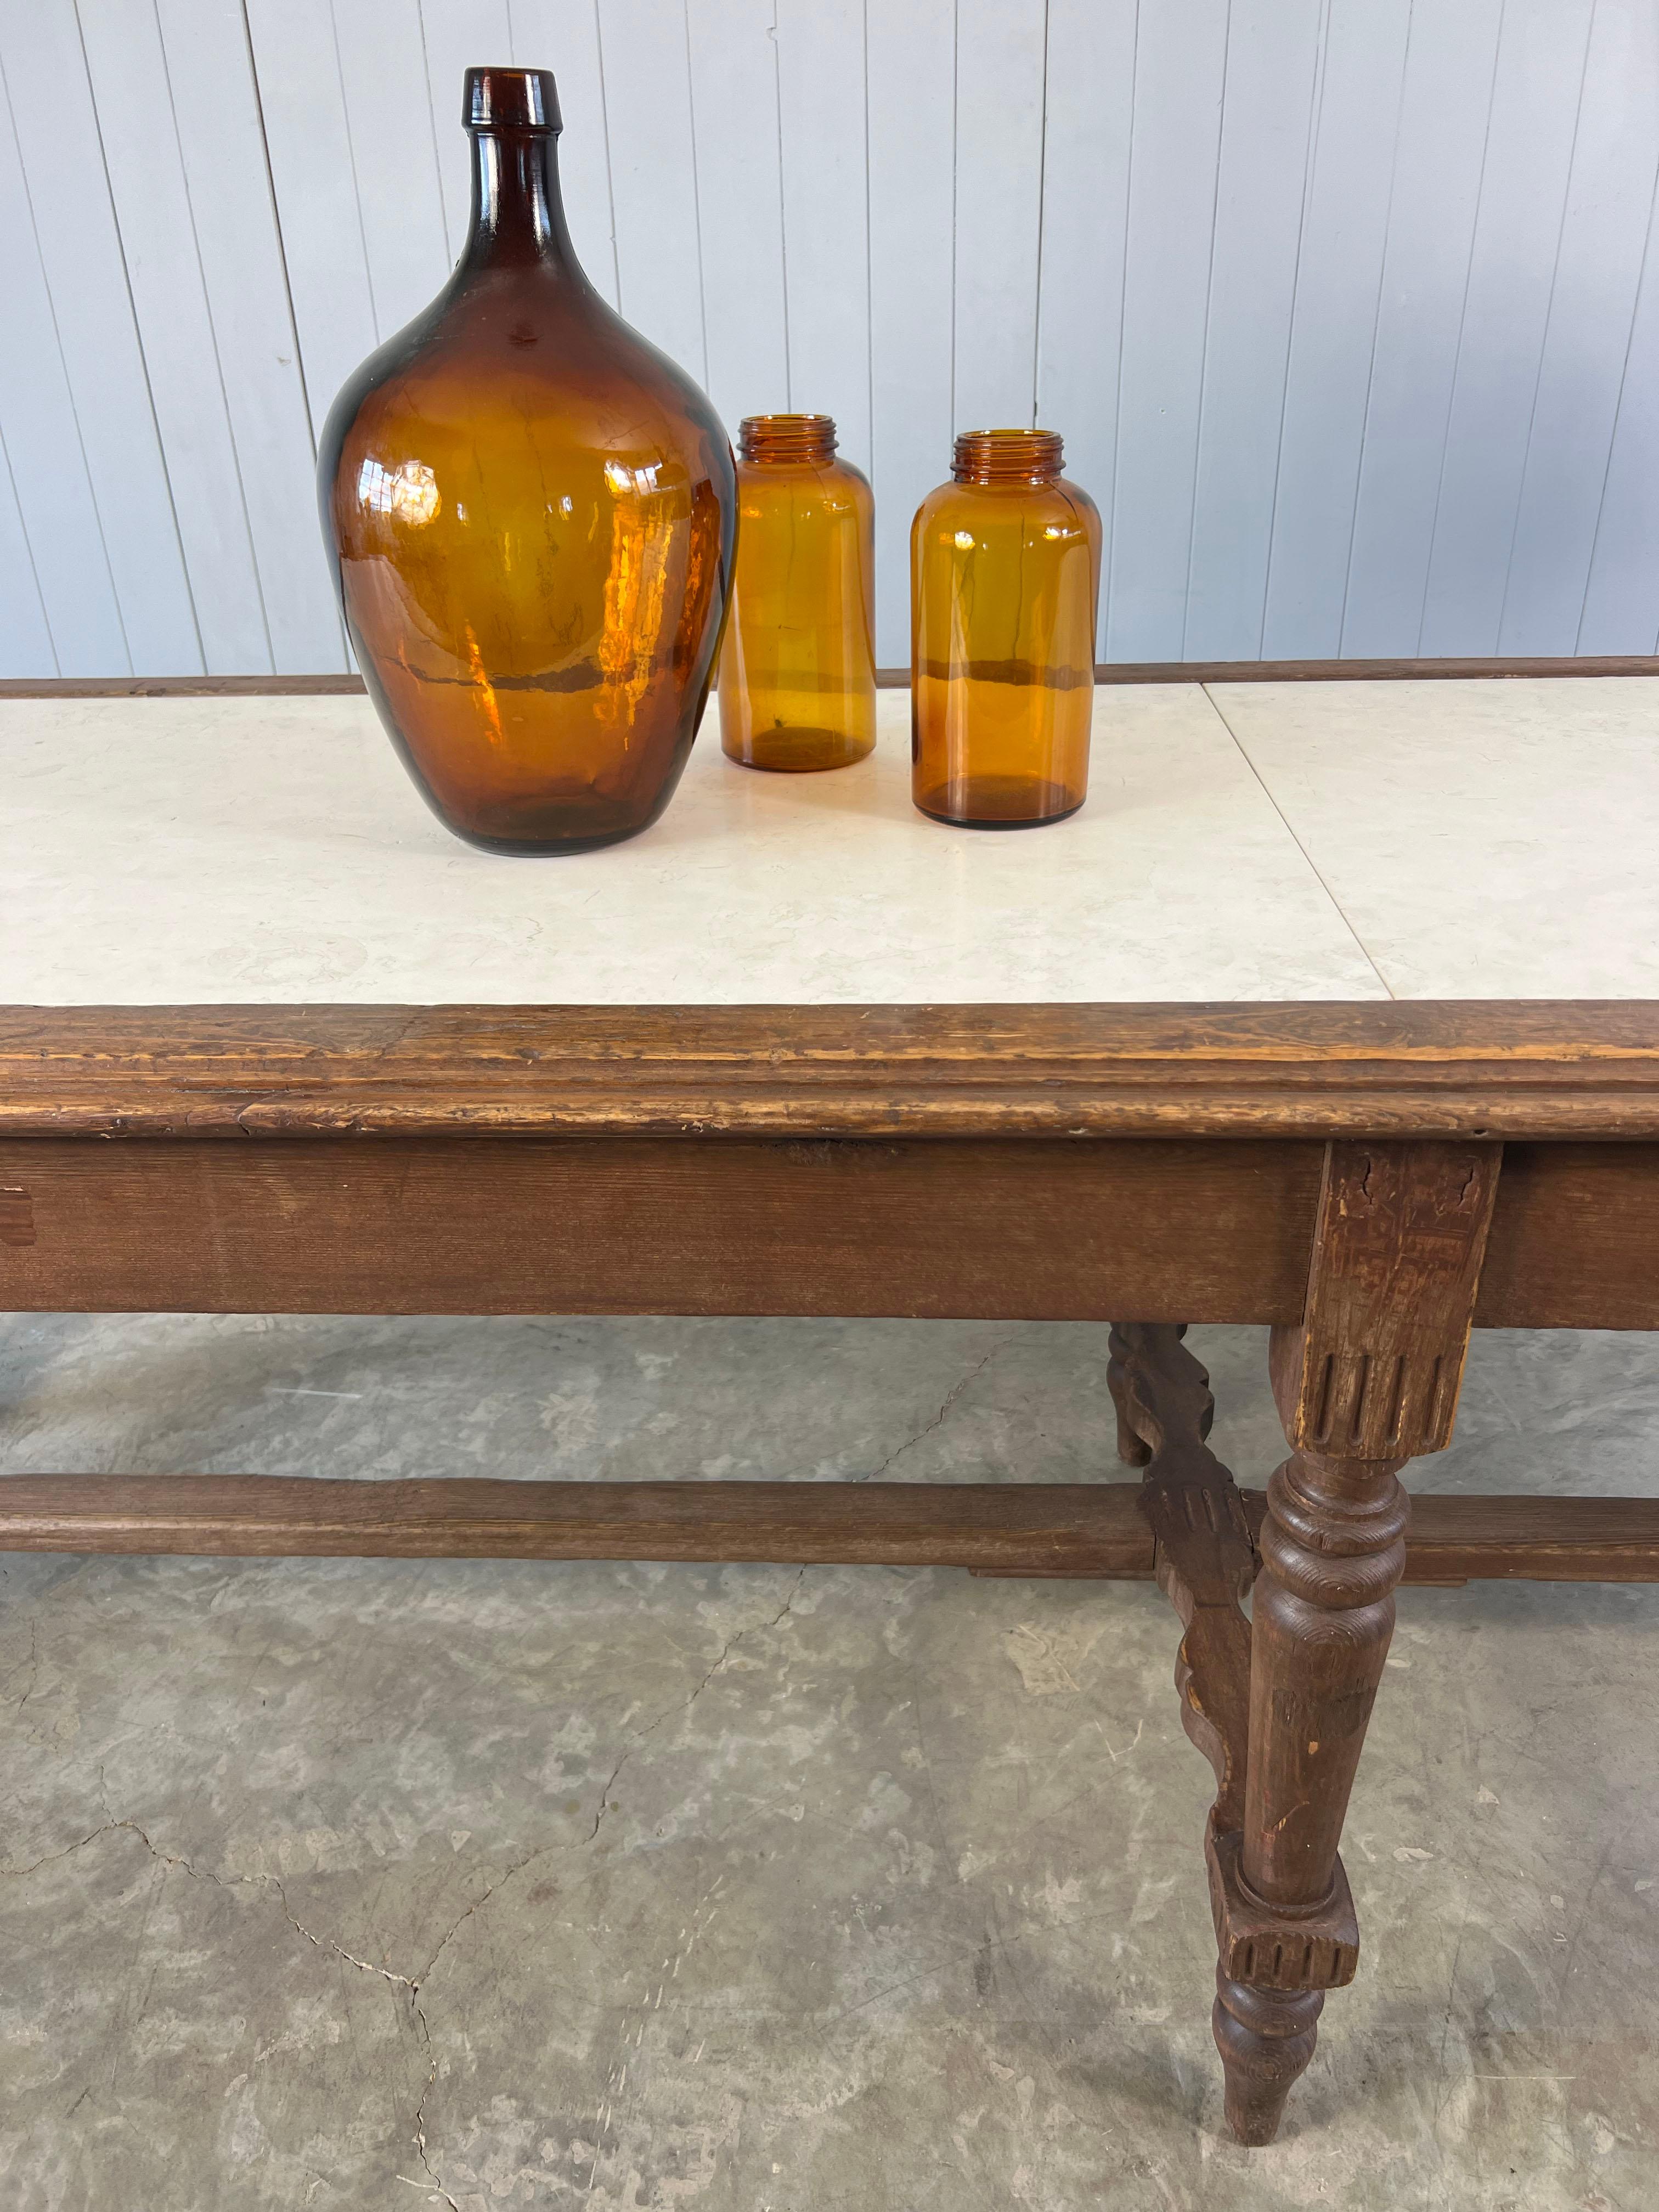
(1337, 1009)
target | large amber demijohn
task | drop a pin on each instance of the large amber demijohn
(798, 671)
(1005, 572)
(532, 513)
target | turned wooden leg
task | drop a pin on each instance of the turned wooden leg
(1368, 1380)
(1333, 1548)
(1269, 1988)
(1364, 1382)
(1266, 2038)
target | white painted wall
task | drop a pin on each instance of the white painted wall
(1345, 308)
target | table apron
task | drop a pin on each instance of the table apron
(1038, 1229)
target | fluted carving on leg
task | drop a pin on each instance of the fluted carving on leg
(1365, 1380)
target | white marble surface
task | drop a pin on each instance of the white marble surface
(1311, 841)
(178, 851)
(1485, 840)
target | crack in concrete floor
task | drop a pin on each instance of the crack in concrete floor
(1104, 1888)
(115, 1824)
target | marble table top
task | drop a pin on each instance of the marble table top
(1489, 839)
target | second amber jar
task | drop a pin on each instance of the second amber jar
(1005, 571)
(797, 669)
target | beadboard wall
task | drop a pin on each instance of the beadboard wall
(1345, 308)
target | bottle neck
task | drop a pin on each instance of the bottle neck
(776, 440)
(1007, 456)
(518, 216)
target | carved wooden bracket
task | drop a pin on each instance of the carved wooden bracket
(1373, 1369)
(1204, 1562)
(1269, 1946)
(1203, 1556)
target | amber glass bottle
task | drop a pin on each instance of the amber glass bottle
(531, 511)
(1005, 571)
(797, 671)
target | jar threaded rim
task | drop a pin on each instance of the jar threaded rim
(1007, 456)
(772, 440)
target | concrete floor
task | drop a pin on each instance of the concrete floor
(363, 1884)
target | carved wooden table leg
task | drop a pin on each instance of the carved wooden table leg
(1203, 1556)
(1333, 1548)
(1366, 1381)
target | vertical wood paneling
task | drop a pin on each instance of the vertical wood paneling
(221, 138)
(52, 484)
(1334, 331)
(456, 35)
(1000, 76)
(1444, 106)
(734, 96)
(826, 213)
(1530, 145)
(1349, 314)
(135, 116)
(406, 150)
(1180, 64)
(1273, 55)
(1085, 214)
(1621, 605)
(563, 36)
(653, 175)
(308, 141)
(1592, 305)
(26, 648)
(80, 249)
(912, 73)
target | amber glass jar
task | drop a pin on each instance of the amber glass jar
(1005, 572)
(797, 671)
(531, 511)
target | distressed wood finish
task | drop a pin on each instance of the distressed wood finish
(1204, 1557)
(1365, 1381)
(1374, 1371)
(1464, 1069)
(1020, 1228)
(1095, 1531)
(1372, 1181)
(1043, 1528)
(1575, 1239)
(1271, 1971)
(1026, 1228)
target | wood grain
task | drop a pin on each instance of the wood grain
(1204, 1555)
(1373, 1370)
(1466, 1069)
(1366, 1378)
(1073, 1530)
(1015, 1229)
(1576, 1233)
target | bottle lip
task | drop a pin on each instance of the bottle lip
(497, 99)
(1007, 456)
(772, 440)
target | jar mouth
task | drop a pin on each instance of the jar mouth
(1007, 456)
(771, 440)
(510, 99)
